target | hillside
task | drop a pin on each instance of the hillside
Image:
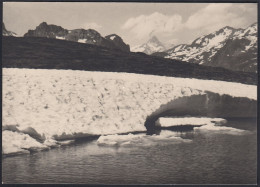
(47, 53)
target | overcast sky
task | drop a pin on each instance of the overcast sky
(134, 22)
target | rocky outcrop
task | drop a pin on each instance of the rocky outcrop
(48, 31)
(118, 42)
(88, 36)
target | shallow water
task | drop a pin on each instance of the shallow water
(211, 157)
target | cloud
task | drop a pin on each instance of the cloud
(156, 23)
(210, 18)
(92, 25)
(214, 16)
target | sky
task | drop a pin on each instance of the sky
(135, 23)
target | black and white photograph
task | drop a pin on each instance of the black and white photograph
(129, 93)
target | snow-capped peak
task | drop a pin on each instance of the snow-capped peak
(6, 32)
(151, 46)
(227, 47)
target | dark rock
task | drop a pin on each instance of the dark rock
(89, 36)
(118, 42)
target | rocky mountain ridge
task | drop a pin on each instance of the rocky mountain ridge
(230, 48)
(89, 36)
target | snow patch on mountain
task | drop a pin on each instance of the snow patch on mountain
(60, 38)
(82, 40)
(112, 37)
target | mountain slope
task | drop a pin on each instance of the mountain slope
(47, 53)
(89, 36)
(234, 49)
(5, 32)
(151, 46)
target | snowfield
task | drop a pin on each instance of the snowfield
(58, 105)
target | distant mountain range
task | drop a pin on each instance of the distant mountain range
(230, 48)
(88, 36)
(5, 32)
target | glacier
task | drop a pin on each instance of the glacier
(45, 108)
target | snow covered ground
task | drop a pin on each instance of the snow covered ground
(64, 104)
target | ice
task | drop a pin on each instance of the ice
(119, 139)
(14, 142)
(195, 121)
(220, 129)
(140, 139)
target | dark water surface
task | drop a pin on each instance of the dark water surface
(211, 157)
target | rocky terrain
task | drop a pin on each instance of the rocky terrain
(230, 48)
(89, 36)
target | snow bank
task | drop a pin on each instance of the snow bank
(194, 121)
(64, 104)
(14, 142)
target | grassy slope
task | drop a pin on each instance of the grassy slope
(44, 53)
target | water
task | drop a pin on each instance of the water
(209, 158)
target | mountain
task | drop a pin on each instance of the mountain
(5, 32)
(50, 53)
(88, 36)
(230, 48)
(118, 42)
(151, 46)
